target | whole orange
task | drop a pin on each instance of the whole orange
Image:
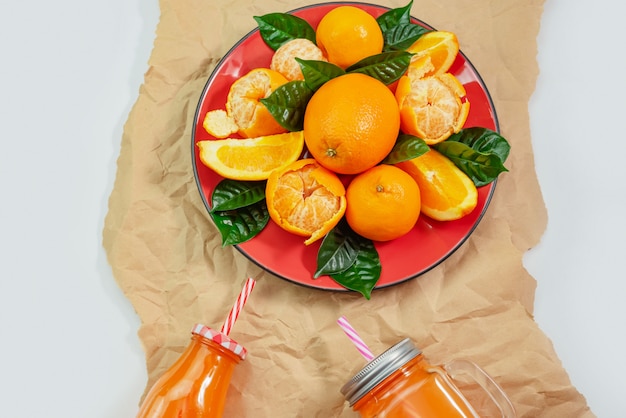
(351, 123)
(383, 203)
(348, 34)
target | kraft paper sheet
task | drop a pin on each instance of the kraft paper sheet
(166, 254)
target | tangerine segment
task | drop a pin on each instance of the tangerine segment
(351, 123)
(383, 203)
(244, 106)
(434, 53)
(347, 34)
(219, 124)
(305, 199)
(447, 193)
(251, 158)
(432, 108)
(283, 60)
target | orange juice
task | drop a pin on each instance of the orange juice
(415, 390)
(401, 384)
(196, 384)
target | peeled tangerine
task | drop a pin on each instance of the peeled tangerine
(245, 114)
(284, 59)
(305, 199)
(447, 193)
(431, 108)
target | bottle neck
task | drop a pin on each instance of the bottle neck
(215, 348)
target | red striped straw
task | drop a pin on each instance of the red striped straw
(238, 306)
(354, 337)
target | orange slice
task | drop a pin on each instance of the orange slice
(446, 192)
(251, 158)
(434, 53)
(432, 108)
(305, 199)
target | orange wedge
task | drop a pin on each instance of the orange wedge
(446, 192)
(434, 53)
(432, 108)
(305, 199)
(251, 158)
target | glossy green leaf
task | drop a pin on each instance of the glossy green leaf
(233, 194)
(480, 167)
(278, 28)
(287, 104)
(406, 148)
(386, 67)
(316, 73)
(398, 31)
(349, 259)
(337, 252)
(401, 37)
(483, 140)
(395, 17)
(240, 225)
(364, 273)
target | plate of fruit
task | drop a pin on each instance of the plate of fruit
(346, 146)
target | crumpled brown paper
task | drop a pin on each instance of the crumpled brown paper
(167, 257)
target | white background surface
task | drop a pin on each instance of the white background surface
(71, 72)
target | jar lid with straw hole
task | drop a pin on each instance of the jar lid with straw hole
(378, 370)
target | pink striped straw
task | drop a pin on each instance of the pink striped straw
(238, 306)
(354, 337)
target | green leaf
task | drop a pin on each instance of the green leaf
(337, 252)
(398, 31)
(364, 273)
(483, 140)
(278, 28)
(349, 259)
(233, 194)
(395, 17)
(401, 37)
(480, 167)
(316, 73)
(237, 226)
(386, 67)
(406, 148)
(287, 104)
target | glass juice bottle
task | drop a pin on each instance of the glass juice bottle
(401, 384)
(196, 384)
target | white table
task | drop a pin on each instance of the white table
(70, 74)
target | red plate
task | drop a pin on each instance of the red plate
(284, 254)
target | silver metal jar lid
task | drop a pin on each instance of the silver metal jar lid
(378, 370)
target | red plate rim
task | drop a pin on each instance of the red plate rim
(485, 192)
